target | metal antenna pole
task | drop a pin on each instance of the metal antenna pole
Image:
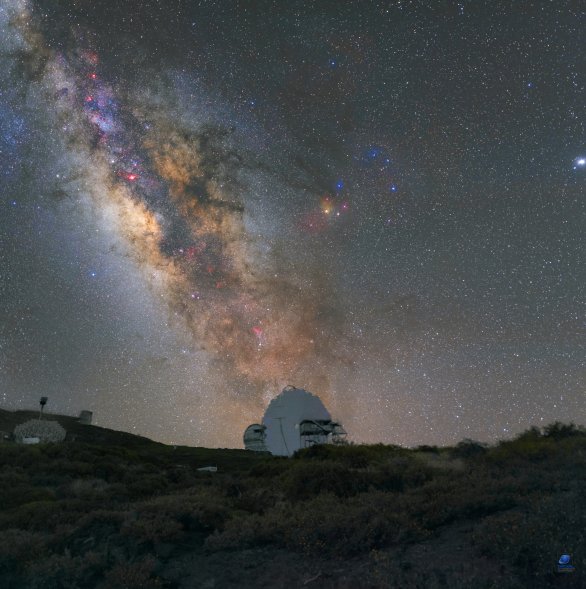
(43, 403)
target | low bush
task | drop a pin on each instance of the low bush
(308, 479)
(272, 467)
(425, 448)
(469, 449)
(133, 575)
(324, 525)
(531, 540)
(64, 571)
(521, 450)
(27, 457)
(400, 473)
(12, 496)
(153, 527)
(147, 485)
(47, 515)
(18, 547)
(560, 431)
(351, 455)
(91, 489)
(92, 529)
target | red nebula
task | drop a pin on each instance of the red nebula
(91, 57)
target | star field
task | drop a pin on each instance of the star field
(380, 202)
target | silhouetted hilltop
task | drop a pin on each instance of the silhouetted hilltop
(80, 432)
(148, 449)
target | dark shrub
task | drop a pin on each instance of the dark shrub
(351, 455)
(559, 431)
(308, 479)
(399, 474)
(16, 495)
(272, 467)
(60, 571)
(323, 526)
(147, 485)
(517, 452)
(425, 448)
(531, 540)
(153, 527)
(133, 575)
(18, 547)
(467, 449)
(29, 516)
(533, 433)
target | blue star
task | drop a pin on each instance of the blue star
(339, 185)
(394, 188)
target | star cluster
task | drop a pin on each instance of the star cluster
(380, 202)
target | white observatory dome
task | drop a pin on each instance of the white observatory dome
(283, 416)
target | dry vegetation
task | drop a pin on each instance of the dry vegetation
(77, 515)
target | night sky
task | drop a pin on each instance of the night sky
(379, 202)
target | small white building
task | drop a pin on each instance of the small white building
(31, 441)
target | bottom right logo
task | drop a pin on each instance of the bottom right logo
(564, 565)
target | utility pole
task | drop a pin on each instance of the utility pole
(43, 403)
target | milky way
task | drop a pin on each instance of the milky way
(195, 216)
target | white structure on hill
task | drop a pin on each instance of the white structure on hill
(255, 437)
(294, 419)
(45, 431)
(85, 417)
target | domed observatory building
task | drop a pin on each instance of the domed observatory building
(294, 419)
(255, 437)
